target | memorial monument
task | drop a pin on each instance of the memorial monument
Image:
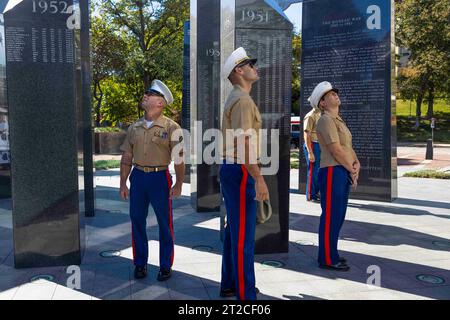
(204, 100)
(261, 27)
(186, 98)
(48, 104)
(350, 43)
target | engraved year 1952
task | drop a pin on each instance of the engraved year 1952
(53, 6)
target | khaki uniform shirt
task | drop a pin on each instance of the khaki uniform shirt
(310, 123)
(330, 130)
(241, 112)
(151, 146)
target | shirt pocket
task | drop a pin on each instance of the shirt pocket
(160, 141)
(344, 134)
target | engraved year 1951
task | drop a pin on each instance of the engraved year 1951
(212, 53)
(53, 6)
(249, 15)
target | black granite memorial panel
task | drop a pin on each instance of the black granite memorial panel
(349, 43)
(40, 65)
(266, 34)
(5, 156)
(186, 99)
(85, 125)
(205, 188)
(185, 109)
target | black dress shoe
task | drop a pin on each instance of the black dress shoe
(337, 267)
(343, 260)
(140, 272)
(226, 293)
(163, 275)
(315, 199)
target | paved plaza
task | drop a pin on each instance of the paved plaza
(407, 241)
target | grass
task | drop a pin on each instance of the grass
(405, 123)
(403, 107)
(433, 174)
(106, 164)
(406, 132)
(294, 160)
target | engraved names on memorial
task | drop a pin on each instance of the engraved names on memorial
(48, 45)
(349, 44)
(262, 28)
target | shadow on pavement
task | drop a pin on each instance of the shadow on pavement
(396, 210)
(112, 278)
(374, 234)
(424, 203)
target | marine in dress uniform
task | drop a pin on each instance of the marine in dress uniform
(311, 149)
(339, 168)
(148, 149)
(240, 177)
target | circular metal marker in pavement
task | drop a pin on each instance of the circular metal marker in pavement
(442, 244)
(110, 253)
(428, 278)
(203, 248)
(273, 263)
(304, 243)
(46, 277)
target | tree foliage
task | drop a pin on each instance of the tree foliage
(133, 43)
(423, 26)
(296, 62)
(108, 53)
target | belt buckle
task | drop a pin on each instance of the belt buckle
(146, 170)
(156, 169)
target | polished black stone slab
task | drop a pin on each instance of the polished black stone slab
(41, 65)
(205, 103)
(85, 124)
(5, 155)
(266, 34)
(350, 44)
(186, 103)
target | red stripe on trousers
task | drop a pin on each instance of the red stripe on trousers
(169, 184)
(311, 165)
(241, 239)
(133, 245)
(327, 239)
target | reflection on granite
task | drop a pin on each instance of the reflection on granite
(266, 34)
(43, 117)
(205, 95)
(48, 237)
(349, 44)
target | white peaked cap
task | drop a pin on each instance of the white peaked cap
(319, 91)
(159, 86)
(238, 56)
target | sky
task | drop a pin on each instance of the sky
(294, 13)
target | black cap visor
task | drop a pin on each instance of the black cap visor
(156, 93)
(243, 63)
(334, 89)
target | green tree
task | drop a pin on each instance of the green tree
(153, 32)
(108, 53)
(296, 63)
(118, 103)
(423, 27)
